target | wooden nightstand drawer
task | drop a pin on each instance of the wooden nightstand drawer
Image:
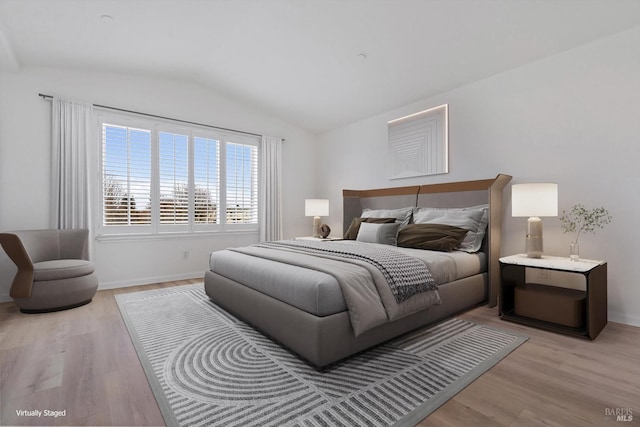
(550, 304)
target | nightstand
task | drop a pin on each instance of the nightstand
(554, 293)
(319, 239)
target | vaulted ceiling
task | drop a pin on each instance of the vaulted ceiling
(318, 64)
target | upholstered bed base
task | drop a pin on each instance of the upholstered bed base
(325, 340)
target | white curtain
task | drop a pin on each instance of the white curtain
(270, 188)
(71, 127)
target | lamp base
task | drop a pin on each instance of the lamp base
(534, 237)
(315, 231)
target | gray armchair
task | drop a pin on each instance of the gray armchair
(54, 272)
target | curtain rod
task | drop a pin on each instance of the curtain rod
(43, 96)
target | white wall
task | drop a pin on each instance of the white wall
(573, 118)
(25, 157)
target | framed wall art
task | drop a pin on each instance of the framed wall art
(419, 143)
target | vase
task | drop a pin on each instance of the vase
(574, 252)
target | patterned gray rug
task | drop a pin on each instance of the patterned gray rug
(207, 368)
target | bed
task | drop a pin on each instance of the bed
(292, 291)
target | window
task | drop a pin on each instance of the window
(174, 178)
(158, 177)
(242, 184)
(126, 175)
(206, 166)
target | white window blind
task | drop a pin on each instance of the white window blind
(174, 178)
(159, 177)
(242, 183)
(126, 175)
(206, 171)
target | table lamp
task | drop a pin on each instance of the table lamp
(534, 200)
(316, 208)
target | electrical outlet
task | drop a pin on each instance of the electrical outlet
(185, 255)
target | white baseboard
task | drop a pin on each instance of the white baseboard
(624, 318)
(150, 280)
(5, 298)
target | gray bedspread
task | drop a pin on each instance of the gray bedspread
(370, 299)
(405, 275)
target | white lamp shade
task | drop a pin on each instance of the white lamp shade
(535, 199)
(316, 207)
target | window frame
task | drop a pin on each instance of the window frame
(191, 228)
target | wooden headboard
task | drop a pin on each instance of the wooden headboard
(446, 195)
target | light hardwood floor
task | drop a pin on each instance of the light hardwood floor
(82, 361)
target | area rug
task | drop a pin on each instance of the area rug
(207, 368)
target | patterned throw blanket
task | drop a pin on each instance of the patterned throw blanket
(406, 275)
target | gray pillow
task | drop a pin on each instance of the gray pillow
(474, 219)
(402, 215)
(352, 232)
(378, 233)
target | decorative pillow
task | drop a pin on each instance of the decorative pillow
(352, 232)
(402, 215)
(435, 237)
(474, 219)
(378, 233)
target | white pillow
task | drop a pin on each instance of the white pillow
(474, 219)
(402, 215)
(386, 234)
